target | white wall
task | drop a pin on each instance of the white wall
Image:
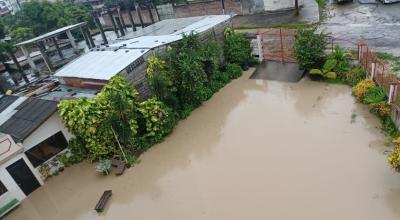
(13, 189)
(273, 5)
(50, 127)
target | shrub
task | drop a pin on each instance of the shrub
(233, 70)
(389, 127)
(185, 61)
(381, 109)
(355, 75)
(156, 121)
(95, 120)
(394, 158)
(161, 81)
(361, 88)
(326, 71)
(374, 95)
(309, 48)
(237, 49)
(342, 64)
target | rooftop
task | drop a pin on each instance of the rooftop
(28, 116)
(105, 62)
(51, 34)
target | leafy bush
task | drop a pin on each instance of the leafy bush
(389, 127)
(381, 109)
(185, 61)
(355, 75)
(162, 83)
(233, 70)
(76, 153)
(103, 166)
(237, 49)
(342, 64)
(95, 120)
(394, 158)
(309, 48)
(326, 71)
(374, 95)
(158, 120)
(361, 89)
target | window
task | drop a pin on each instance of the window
(47, 149)
(3, 189)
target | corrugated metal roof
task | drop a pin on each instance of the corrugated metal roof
(6, 101)
(100, 64)
(104, 63)
(147, 42)
(29, 116)
(51, 34)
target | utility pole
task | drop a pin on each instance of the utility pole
(223, 6)
(296, 6)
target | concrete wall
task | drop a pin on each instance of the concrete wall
(105, 19)
(274, 5)
(252, 6)
(166, 11)
(207, 8)
(50, 127)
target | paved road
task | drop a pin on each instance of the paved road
(378, 24)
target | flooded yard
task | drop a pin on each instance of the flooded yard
(257, 150)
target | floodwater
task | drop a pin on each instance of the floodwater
(257, 150)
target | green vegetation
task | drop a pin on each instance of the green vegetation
(354, 75)
(115, 124)
(43, 16)
(394, 158)
(192, 71)
(322, 7)
(309, 49)
(362, 88)
(374, 95)
(237, 49)
(108, 125)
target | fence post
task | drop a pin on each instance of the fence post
(260, 48)
(282, 52)
(392, 93)
(373, 65)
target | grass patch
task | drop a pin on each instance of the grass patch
(288, 26)
(392, 60)
(322, 7)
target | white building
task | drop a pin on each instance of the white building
(32, 133)
(9, 7)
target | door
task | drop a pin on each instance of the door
(23, 176)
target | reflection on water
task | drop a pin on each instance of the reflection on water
(257, 150)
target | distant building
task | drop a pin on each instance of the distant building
(9, 7)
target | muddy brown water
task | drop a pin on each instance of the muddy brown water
(257, 150)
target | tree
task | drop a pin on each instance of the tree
(309, 48)
(44, 16)
(20, 34)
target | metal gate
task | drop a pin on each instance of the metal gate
(276, 44)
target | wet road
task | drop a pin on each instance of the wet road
(378, 24)
(257, 150)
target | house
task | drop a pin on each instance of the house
(129, 56)
(32, 134)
